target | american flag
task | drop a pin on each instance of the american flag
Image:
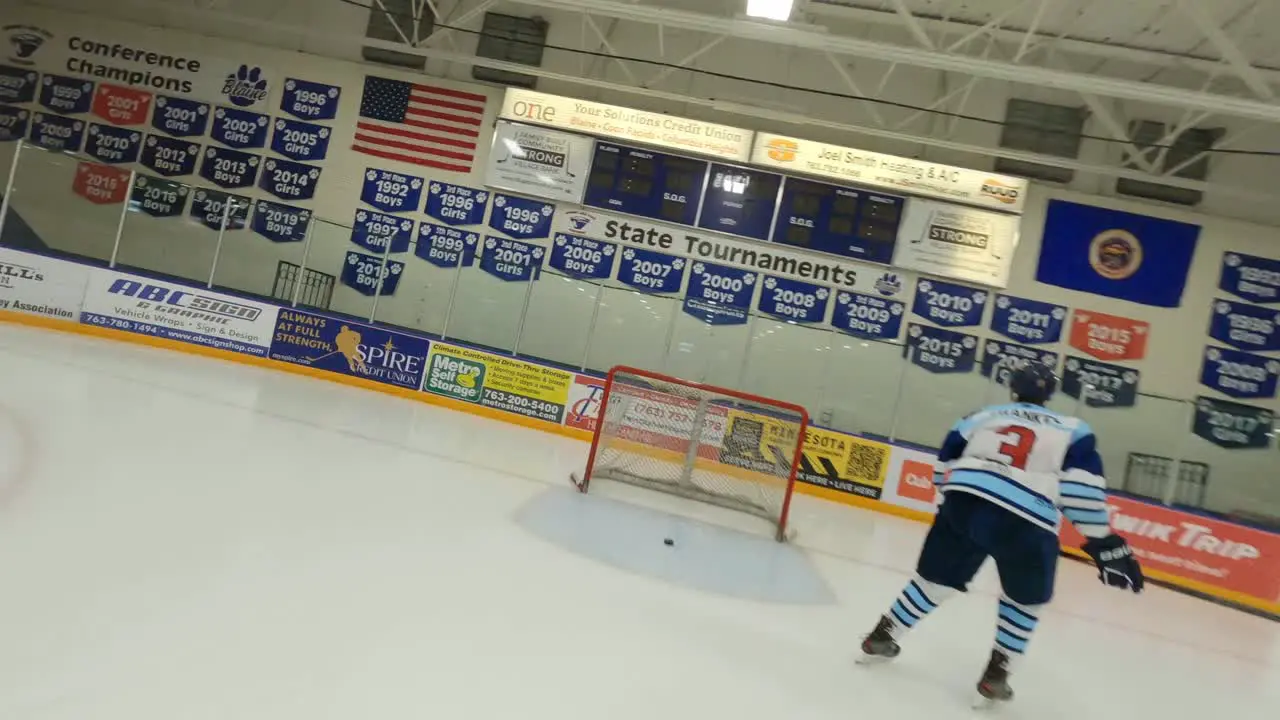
(420, 124)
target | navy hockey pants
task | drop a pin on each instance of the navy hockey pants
(968, 529)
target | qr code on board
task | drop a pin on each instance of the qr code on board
(866, 463)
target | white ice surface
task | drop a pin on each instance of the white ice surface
(184, 538)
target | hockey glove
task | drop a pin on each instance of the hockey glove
(1117, 566)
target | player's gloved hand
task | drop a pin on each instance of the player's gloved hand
(1117, 566)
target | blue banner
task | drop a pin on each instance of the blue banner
(13, 123)
(511, 260)
(360, 272)
(298, 140)
(1253, 278)
(376, 231)
(310, 100)
(456, 204)
(180, 117)
(1100, 384)
(1248, 327)
(54, 132)
(209, 208)
(113, 145)
(391, 191)
(520, 217)
(17, 85)
(170, 157)
(158, 197)
(349, 348)
(239, 128)
(289, 180)
(651, 271)
(444, 246)
(940, 351)
(868, 316)
(1232, 425)
(66, 95)
(1000, 358)
(229, 168)
(718, 294)
(280, 223)
(794, 300)
(582, 257)
(1239, 374)
(1028, 321)
(1121, 255)
(949, 304)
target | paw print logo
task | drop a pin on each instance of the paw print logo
(547, 210)
(482, 196)
(1221, 308)
(560, 241)
(471, 239)
(263, 120)
(993, 348)
(1212, 354)
(608, 251)
(1129, 377)
(915, 331)
(290, 85)
(490, 243)
(924, 286)
(279, 125)
(141, 182)
(699, 268)
(1231, 260)
(371, 175)
(979, 297)
(182, 191)
(1204, 406)
(78, 126)
(822, 293)
(678, 263)
(1002, 302)
(304, 216)
(253, 162)
(1049, 359)
(397, 269)
(842, 298)
(435, 188)
(1073, 365)
(1059, 313)
(537, 253)
(271, 165)
(314, 173)
(406, 225)
(626, 255)
(245, 87)
(895, 309)
(200, 196)
(500, 201)
(415, 183)
(1273, 367)
(135, 137)
(749, 279)
(969, 342)
(770, 283)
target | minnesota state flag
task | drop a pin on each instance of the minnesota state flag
(1121, 255)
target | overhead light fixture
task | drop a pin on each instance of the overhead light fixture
(770, 9)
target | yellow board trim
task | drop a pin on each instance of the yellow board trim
(71, 326)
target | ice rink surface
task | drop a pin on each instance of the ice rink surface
(182, 538)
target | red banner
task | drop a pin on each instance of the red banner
(101, 184)
(1109, 337)
(121, 105)
(1211, 552)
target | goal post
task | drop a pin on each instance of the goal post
(706, 443)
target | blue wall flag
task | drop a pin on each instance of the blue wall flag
(1122, 255)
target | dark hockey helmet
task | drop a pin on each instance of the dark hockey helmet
(1033, 382)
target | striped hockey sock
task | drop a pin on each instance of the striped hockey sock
(919, 598)
(1014, 628)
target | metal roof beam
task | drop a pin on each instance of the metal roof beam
(823, 42)
(1231, 53)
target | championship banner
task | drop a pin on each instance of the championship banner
(1239, 374)
(180, 117)
(101, 184)
(176, 312)
(1249, 277)
(1244, 326)
(498, 382)
(793, 300)
(302, 141)
(349, 348)
(114, 145)
(1109, 337)
(1028, 321)
(521, 218)
(38, 285)
(456, 204)
(308, 100)
(511, 260)
(280, 223)
(1100, 384)
(13, 123)
(1232, 425)
(170, 157)
(66, 95)
(539, 162)
(390, 191)
(651, 272)
(1001, 358)
(56, 132)
(17, 85)
(868, 316)
(582, 258)
(158, 197)
(940, 351)
(948, 304)
(719, 295)
(843, 462)
(445, 246)
(121, 105)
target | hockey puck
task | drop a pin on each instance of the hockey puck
(668, 542)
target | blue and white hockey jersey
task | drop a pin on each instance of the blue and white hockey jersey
(1032, 461)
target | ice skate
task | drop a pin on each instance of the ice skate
(879, 646)
(994, 687)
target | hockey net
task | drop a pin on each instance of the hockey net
(711, 444)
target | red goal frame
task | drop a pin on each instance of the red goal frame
(761, 400)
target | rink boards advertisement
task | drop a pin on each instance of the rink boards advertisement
(1205, 554)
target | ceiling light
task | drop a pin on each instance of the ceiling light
(770, 9)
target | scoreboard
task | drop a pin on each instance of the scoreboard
(644, 183)
(838, 220)
(739, 201)
(833, 219)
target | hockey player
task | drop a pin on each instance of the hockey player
(1011, 469)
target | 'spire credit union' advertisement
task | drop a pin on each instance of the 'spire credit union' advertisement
(498, 382)
(349, 348)
(162, 309)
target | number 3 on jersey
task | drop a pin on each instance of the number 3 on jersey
(1017, 445)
